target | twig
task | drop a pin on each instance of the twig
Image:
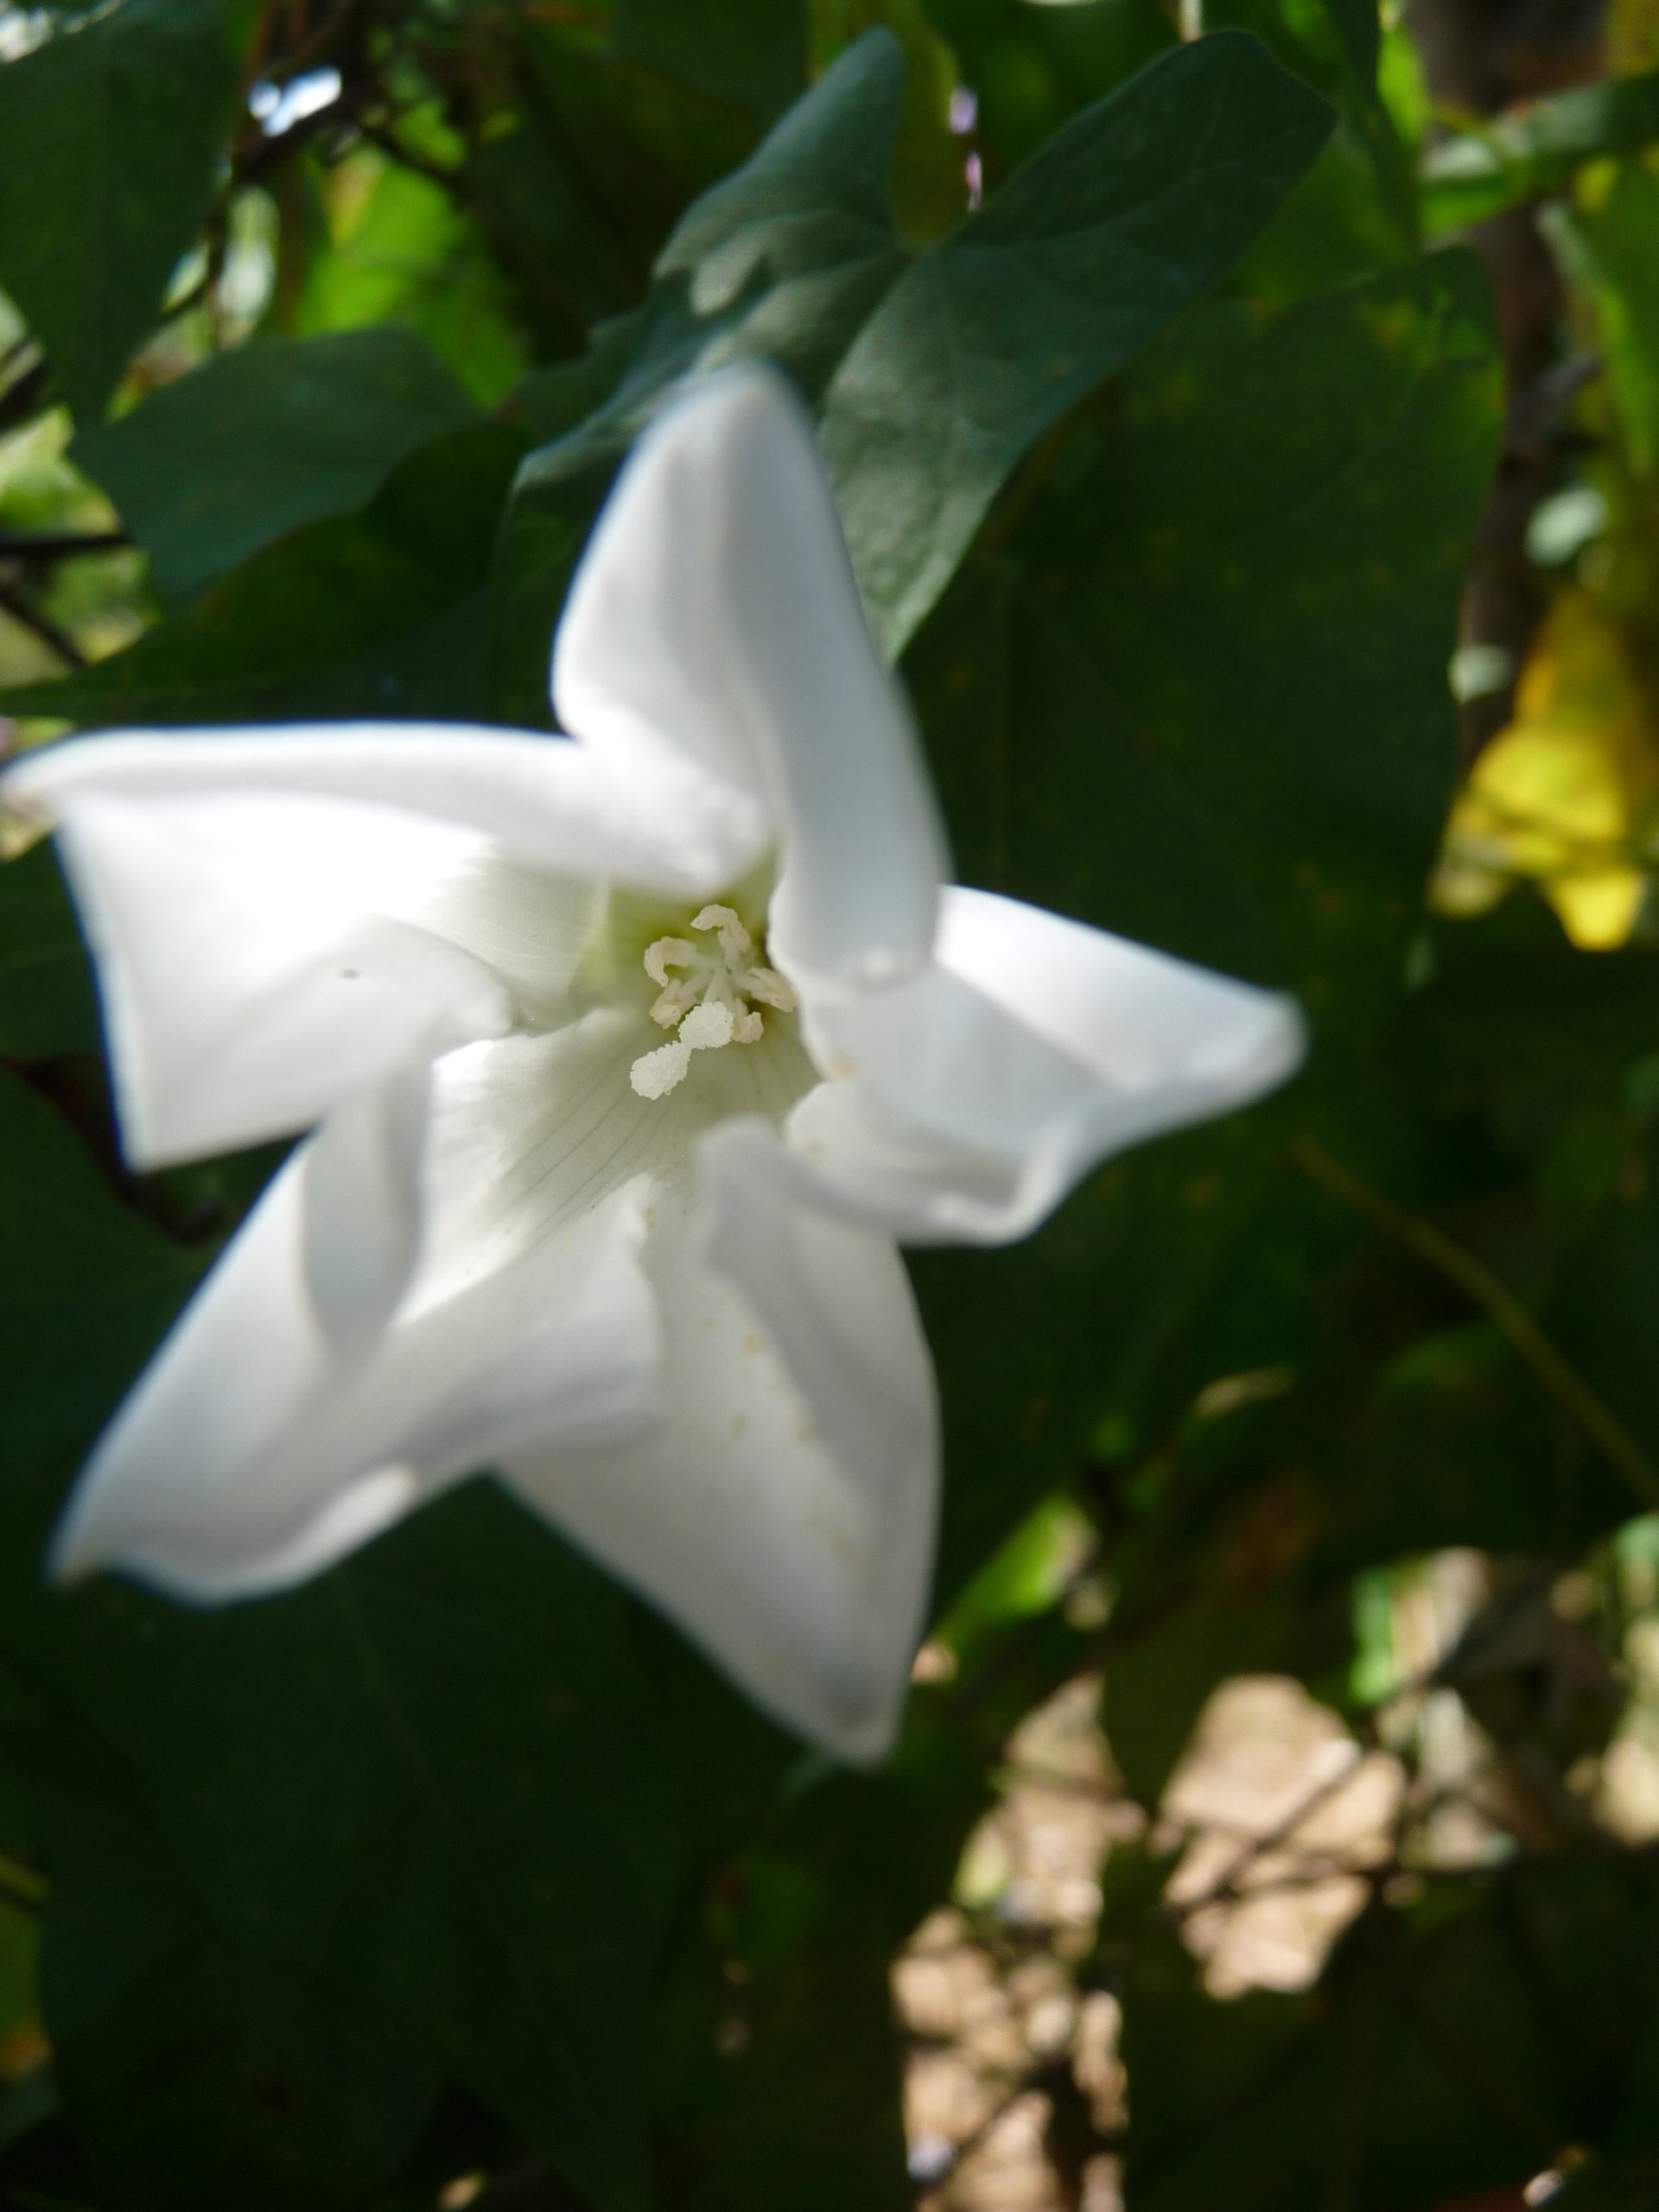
(21, 610)
(263, 154)
(382, 136)
(58, 544)
(1224, 1889)
(1505, 1312)
(24, 397)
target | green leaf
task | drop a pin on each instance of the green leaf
(751, 51)
(812, 198)
(46, 986)
(773, 2049)
(784, 259)
(1360, 35)
(416, 1821)
(578, 195)
(1535, 150)
(373, 613)
(219, 463)
(1197, 696)
(1335, 228)
(1608, 242)
(1094, 247)
(311, 1858)
(86, 1284)
(409, 254)
(1201, 697)
(1451, 2048)
(183, 2058)
(424, 1800)
(110, 135)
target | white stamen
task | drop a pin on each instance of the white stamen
(708, 1026)
(668, 952)
(709, 1002)
(675, 1001)
(654, 1075)
(768, 985)
(733, 938)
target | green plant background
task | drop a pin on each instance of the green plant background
(1161, 386)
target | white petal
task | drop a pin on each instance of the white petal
(262, 956)
(542, 800)
(784, 1512)
(289, 1416)
(362, 1216)
(714, 631)
(972, 1100)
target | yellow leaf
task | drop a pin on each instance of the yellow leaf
(1565, 794)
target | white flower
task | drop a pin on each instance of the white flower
(628, 1060)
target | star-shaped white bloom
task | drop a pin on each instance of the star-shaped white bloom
(630, 1056)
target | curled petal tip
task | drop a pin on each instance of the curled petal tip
(1287, 1041)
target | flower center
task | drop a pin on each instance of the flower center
(709, 993)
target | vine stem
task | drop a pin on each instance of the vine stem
(1499, 1304)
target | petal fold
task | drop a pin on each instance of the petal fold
(370, 1336)
(784, 1515)
(713, 630)
(262, 956)
(964, 1105)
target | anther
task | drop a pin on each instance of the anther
(708, 1000)
(668, 952)
(733, 938)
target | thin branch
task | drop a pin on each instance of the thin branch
(1505, 1312)
(191, 298)
(25, 396)
(58, 545)
(1224, 1889)
(22, 610)
(384, 137)
(261, 155)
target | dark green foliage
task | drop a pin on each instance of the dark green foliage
(1161, 473)
(753, 52)
(1453, 2046)
(784, 259)
(358, 613)
(110, 135)
(46, 994)
(1133, 209)
(256, 443)
(1202, 779)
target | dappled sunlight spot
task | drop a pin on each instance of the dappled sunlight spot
(1282, 1815)
(1625, 1796)
(1012, 2080)
(934, 1664)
